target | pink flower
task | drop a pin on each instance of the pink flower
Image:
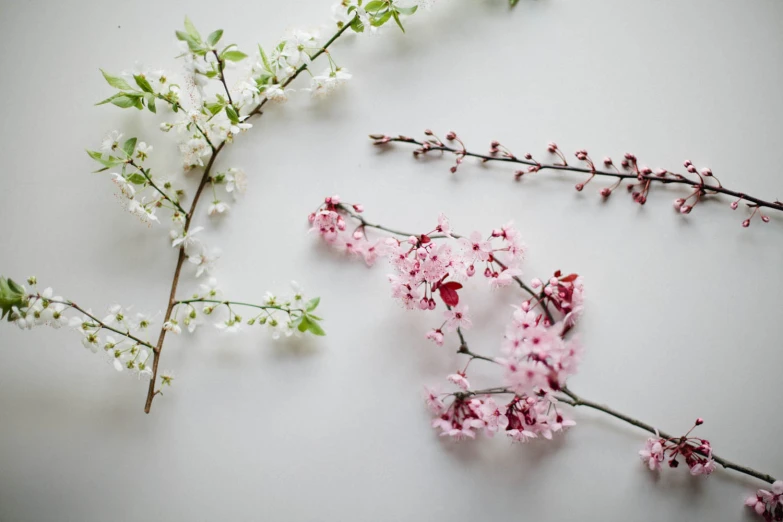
(521, 435)
(457, 317)
(476, 247)
(652, 454)
(434, 402)
(435, 336)
(443, 225)
(460, 380)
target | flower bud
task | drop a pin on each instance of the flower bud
(471, 270)
(451, 135)
(734, 205)
(579, 187)
(746, 223)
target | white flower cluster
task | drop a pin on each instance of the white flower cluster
(125, 351)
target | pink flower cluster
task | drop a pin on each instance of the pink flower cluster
(538, 360)
(522, 418)
(696, 452)
(768, 504)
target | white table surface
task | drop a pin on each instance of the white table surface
(683, 312)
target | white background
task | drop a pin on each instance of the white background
(683, 312)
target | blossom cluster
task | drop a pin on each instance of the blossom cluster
(768, 504)
(430, 268)
(695, 452)
(115, 335)
(640, 178)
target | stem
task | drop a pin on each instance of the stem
(102, 324)
(223, 78)
(151, 392)
(677, 179)
(238, 303)
(153, 185)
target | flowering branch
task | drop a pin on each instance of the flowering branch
(703, 184)
(538, 356)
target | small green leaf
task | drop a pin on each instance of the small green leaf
(116, 81)
(264, 58)
(151, 103)
(191, 29)
(232, 114)
(214, 107)
(233, 56)
(11, 295)
(214, 37)
(123, 101)
(129, 146)
(409, 10)
(375, 6)
(303, 324)
(193, 44)
(357, 25)
(137, 178)
(397, 19)
(142, 82)
(96, 155)
(380, 20)
(312, 304)
(315, 328)
(512, 3)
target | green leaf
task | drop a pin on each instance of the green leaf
(123, 101)
(191, 29)
(96, 155)
(264, 58)
(214, 37)
(232, 114)
(193, 44)
(512, 3)
(312, 304)
(116, 81)
(137, 178)
(151, 103)
(375, 6)
(303, 324)
(129, 146)
(357, 25)
(410, 10)
(380, 20)
(215, 107)
(11, 295)
(142, 82)
(233, 56)
(314, 328)
(397, 19)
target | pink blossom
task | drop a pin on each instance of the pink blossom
(436, 336)
(460, 380)
(476, 246)
(434, 402)
(652, 454)
(457, 317)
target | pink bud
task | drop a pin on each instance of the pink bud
(518, 174)
(487, 272)
(335, 200)
(428, 132)
(678, 203)
(431, 304)
(528, 156)
(687, 163)
(423, 304)
(358, 208)
(471, 270)
(551, 147)
(661, 172)
(699, 421)
(605, 192)
(421, 252)
(453, 169)
(641, 199)
(706, 172)
(734, 205)
(341, 223)
(579, 187)
(536, 283)
(686, 209)
(746, 223)
(451, 135)
(494, 144)
(357, 234)
(691, 169)
(765, 219)
(554, 281)
(608, 161)
(311, 217)
(525, 306)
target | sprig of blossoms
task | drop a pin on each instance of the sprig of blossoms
(702, 183)
(538, 355)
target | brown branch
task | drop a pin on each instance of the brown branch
(437, 145)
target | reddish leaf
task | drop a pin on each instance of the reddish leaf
(557, 274)
(448, 292)
(425, 239)
(569, 278)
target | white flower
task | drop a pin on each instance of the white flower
(116, 315)
(217, 207)
(229, 326)
(125, 186)
(205, 261)
(236, 181)
(172, 326)
(185, 239)
(91, 341)
(276, 93)
(111, 141)
(297, 47)
(143, 150)
(142, 321)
